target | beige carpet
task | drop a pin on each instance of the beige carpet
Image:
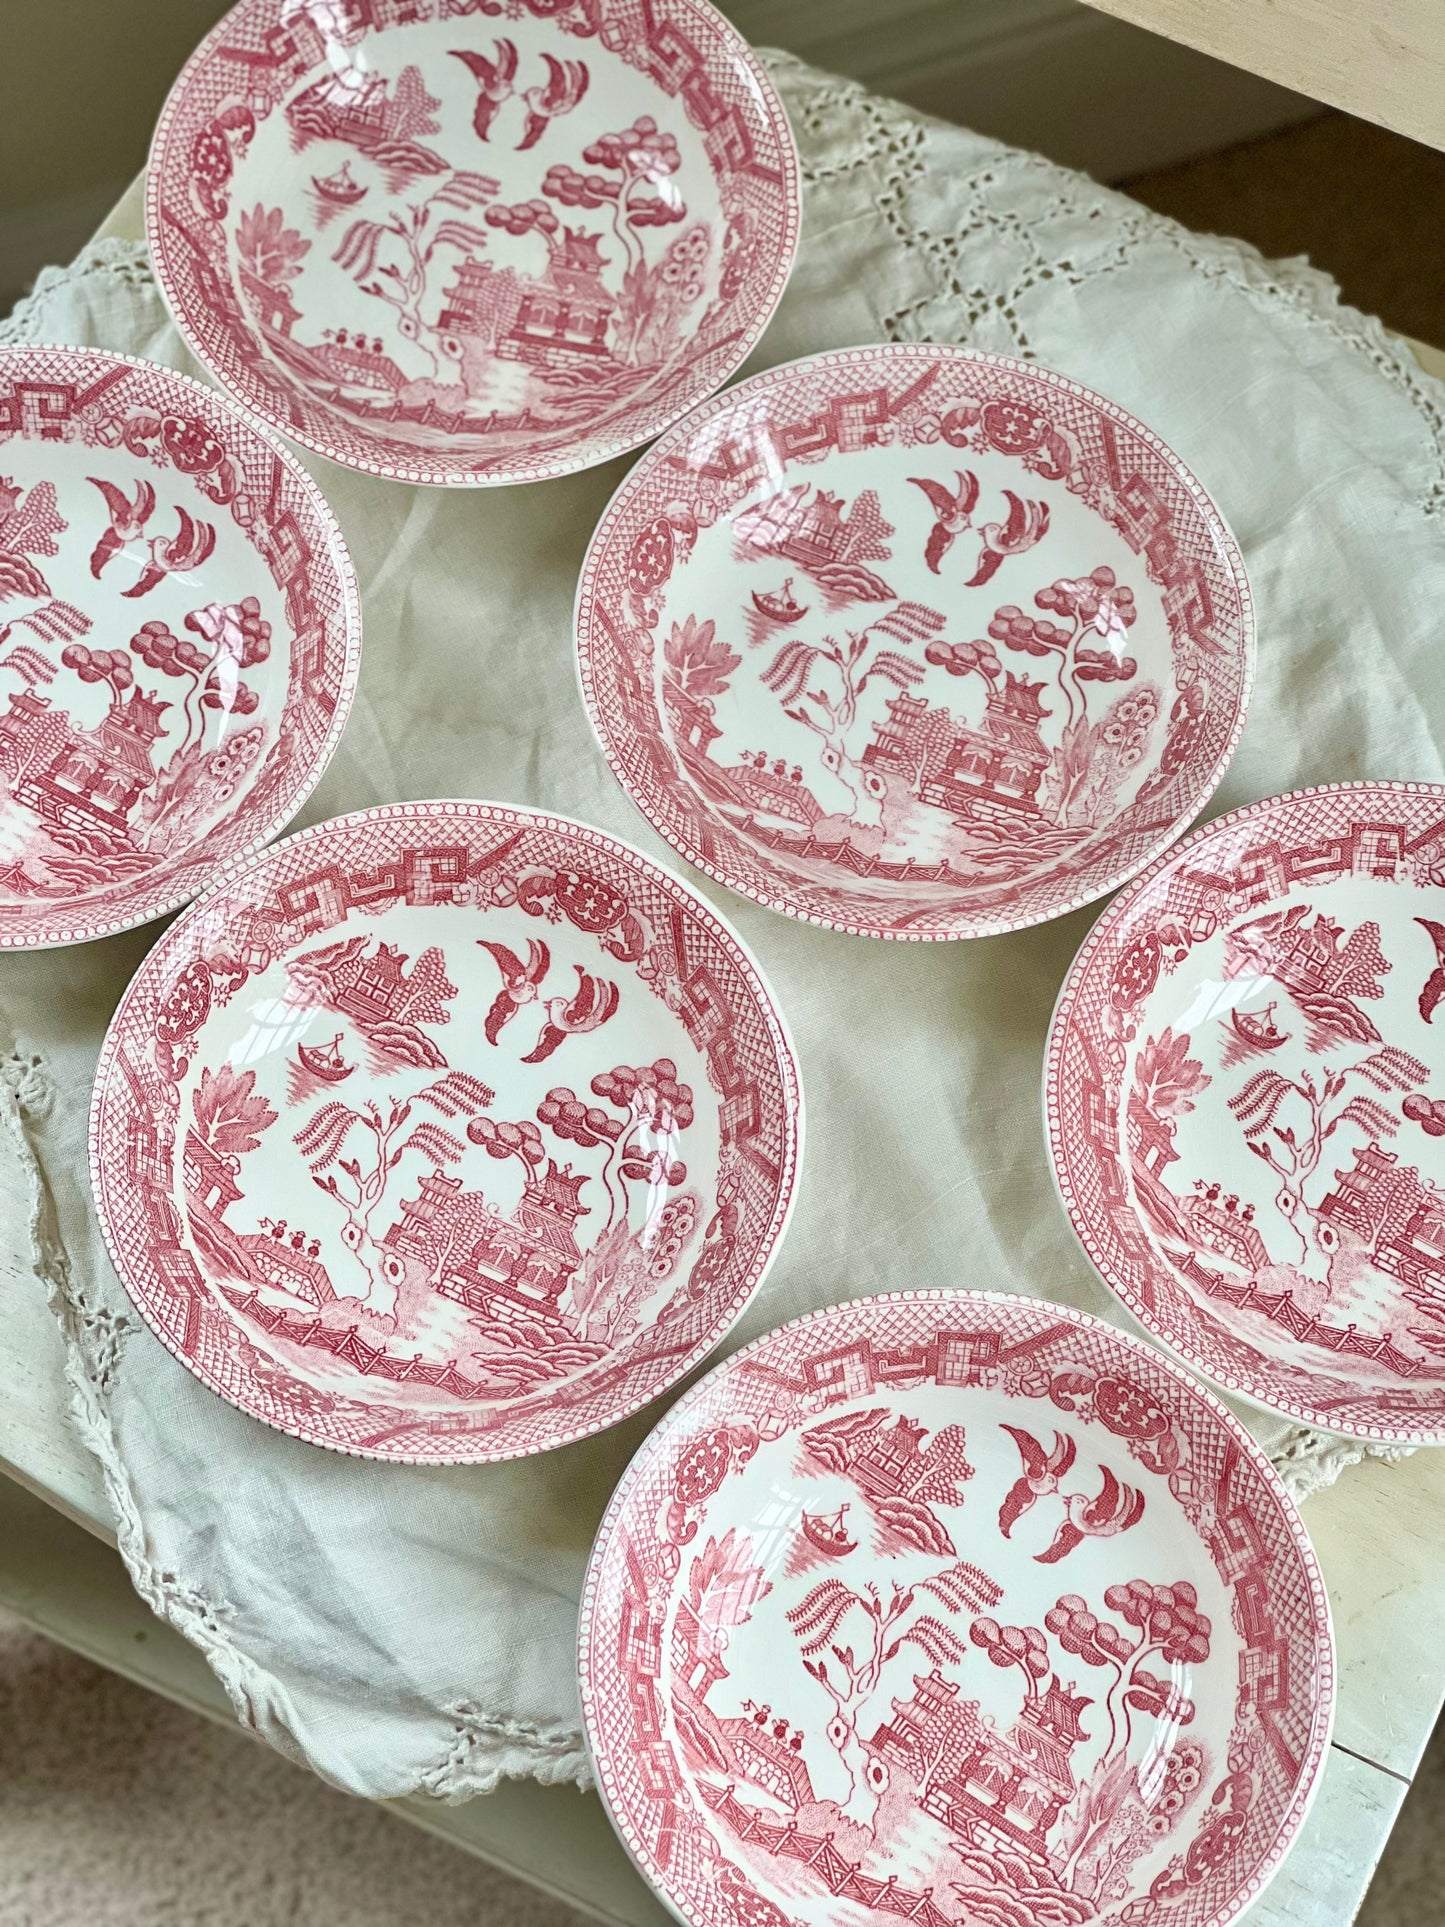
(118, 1809)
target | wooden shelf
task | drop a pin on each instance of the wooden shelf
(1383, 60)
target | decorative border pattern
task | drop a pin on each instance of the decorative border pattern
(1083, 1064)
(1288, 1670)
(725, 1002)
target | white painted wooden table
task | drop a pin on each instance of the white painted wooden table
(1379, 1532)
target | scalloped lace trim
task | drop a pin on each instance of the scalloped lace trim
(127, 261)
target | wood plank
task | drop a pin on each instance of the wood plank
(1325, 1874)
(1383, 60)
(1378, 1533)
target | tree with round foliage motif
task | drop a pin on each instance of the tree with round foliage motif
(656, 1107)
(1170, 1627)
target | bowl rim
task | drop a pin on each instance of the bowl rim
(1177, 1345)
(1326, 1699)
(589, 645)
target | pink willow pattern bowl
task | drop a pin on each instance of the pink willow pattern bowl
(445, 1132)
(455, 242)
(915, 642)
(950, 1607)
(1245, 1107)
(180, 634)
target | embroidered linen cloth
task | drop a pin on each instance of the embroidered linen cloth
(403, 1628)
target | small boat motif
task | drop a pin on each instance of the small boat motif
(339, 187)
(325, 1060)
(827, 1533)
(779, 606)
(1257, 1027)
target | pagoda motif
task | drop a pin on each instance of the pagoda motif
(367, 987)
(85, 780)
(890, 1458)
(992, 771)
(994, 1789)
(1302, 956)
(505, 1267)
(555, 319)
(1391, 1208)
(819, 535)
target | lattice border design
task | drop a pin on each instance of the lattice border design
(847, 400)
(255, 55)
(723, 998)
(1085, 1062)
(1285, 1634)
(284, 516)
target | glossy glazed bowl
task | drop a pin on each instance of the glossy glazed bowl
(470, 246)
(954, 1607)
(180, 631)
(1245, 1113)
(914, 642)
(445, 1132)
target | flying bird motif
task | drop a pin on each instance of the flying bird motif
(520, 982)
(494, 78)
(1040, 1477)
(1028, 522)
(952, 514)
(188, 549)
(1434, 986)
(588, 1010)
(127, 519)
(566, 84)
(1115, 1509)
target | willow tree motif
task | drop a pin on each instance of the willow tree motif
(1311, 1105)
(391, 260)
(882, 1627)
(359, 1181)
(819, 686)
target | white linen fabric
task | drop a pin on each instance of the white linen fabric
(403, 1628)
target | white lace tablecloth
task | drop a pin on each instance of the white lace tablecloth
(404, 1628)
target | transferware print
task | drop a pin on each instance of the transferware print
(915, 642)
(445, 1131)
